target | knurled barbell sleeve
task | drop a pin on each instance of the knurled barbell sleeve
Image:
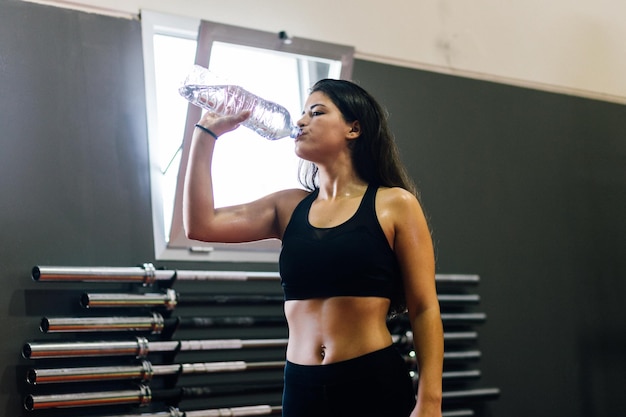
(167, 300)
(141, 396)
(153, 324)
(45, 350)
(146, 274)
(143, 371)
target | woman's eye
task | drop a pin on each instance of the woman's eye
(316, 113)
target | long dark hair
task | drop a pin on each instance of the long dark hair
(375, 155)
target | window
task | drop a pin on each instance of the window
(245, 165)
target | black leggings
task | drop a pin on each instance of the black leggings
(373, 385)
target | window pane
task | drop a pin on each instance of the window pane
(173, 56)
(245, 165)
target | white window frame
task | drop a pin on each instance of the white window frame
(173, 245)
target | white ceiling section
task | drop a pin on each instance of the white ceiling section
(573, 47)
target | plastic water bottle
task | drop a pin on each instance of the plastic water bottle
(268, 119)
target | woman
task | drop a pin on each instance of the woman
(356, 246)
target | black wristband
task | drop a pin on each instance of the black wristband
(206, 130)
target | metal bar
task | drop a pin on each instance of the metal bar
(256, 410)
(166, 370)
(153, 324)
(144, 371)
(462, 355)
(148, 274)
(460, 336)
(449, 318)
(457, 279)
(143, 395)
(471, 394)
(201, 345)
(173, 412)
(183, 275)
(448, 356)
(140, 347)
(245, 321)
(210, 299)
(463, 318)
(459, 298)
(407, 337)
(458, 413)
(161, 347)
(228, 389)
(454, 375)
(448, 376)
(234, 366)
(167, 300)
(170, 299)
(140, 396)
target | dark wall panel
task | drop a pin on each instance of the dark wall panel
(528, 190)
(73, 162)
(74, 150)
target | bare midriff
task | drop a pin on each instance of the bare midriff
(328, 330)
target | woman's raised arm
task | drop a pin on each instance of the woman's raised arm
(261, 219)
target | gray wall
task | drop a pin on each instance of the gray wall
(528, 190)
(525, 188)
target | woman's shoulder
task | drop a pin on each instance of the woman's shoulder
(398, 203)
(291, 195)
(396, 195)
(287, 200)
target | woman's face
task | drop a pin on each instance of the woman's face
(324, 130)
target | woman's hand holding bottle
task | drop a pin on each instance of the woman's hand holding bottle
(218, 125)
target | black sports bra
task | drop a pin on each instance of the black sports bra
(352, 259)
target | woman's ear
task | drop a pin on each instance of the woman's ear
(355, 130)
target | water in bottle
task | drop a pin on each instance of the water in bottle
(268, 119)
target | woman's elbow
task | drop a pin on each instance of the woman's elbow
(191, 234)
(194, 230)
